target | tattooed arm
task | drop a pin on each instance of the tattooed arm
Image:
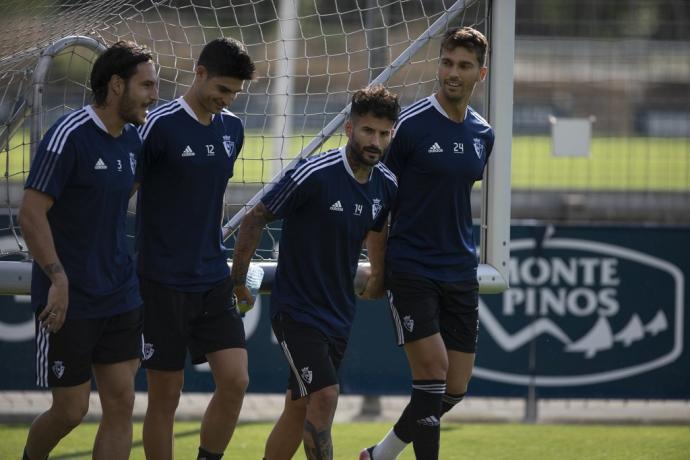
(33, 220)
(248, 237)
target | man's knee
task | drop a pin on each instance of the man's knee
(118, 402)
(430, 366)
(164, 392)
(70, 411)
(234, 383)
(322, 403)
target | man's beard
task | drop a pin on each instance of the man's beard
(358, 154)
(128, 108)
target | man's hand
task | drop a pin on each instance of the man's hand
(245, 301)
(53, 316)
(373, 289)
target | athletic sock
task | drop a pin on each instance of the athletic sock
(402, 432)
(425, 417)
(389, 447)
(206, 455)
(449, 401)
(403, 427)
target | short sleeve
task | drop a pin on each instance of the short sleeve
(53, 164)
(150, 152)
(382, 217)
(490, 144)
(240, 140)
(291, 192)
(400, 150)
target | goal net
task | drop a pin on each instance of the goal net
(311, 55)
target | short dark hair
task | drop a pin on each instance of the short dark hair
(122, 60)
(377, 101)
(468, 38)
(226, 57)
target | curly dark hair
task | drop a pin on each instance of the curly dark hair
(226, 57)
(120, 59)
(377, 101)
(468, 38)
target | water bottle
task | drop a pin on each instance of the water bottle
(255, 275)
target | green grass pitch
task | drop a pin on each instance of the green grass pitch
(615, 164)
(466, 441)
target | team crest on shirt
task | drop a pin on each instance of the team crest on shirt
(133, 162)
(307, 374)
(229, 145)
(375, 208)
(478, 147)
(408, 322)
(148, 351)
(58, 369)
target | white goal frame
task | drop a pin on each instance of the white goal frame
(496, 186)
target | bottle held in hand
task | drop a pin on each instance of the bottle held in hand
(255, 275)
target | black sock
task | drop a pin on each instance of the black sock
(425, 417)
(449, 401)
(206, 455)
(25, 456)
(402, 428)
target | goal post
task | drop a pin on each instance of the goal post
(310, 55)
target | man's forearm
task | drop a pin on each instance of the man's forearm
(248, 238)
(39, 239)
(376, 249)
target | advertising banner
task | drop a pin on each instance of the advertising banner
(591, 312)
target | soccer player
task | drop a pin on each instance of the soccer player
(330, 204)
(440, 149)
(190, 147)
(84, 287)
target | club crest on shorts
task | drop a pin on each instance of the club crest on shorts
(375, 208)
(408, 322)
(58, 369)
(133, 162)
(148, 351)
(229, 145)
(478, 147)
(307, 374)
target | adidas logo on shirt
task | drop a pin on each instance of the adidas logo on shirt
(337, 206)
(188, 152)
(100, 164)
(435, 148)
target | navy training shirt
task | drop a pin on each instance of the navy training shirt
(326, 217)
(436, 161)
(183, 173)
(89, 174)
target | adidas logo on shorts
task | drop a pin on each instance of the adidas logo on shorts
(337, 206)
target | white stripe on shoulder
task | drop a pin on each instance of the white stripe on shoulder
(314, 164)
(415, 105)
(228, 113)
(301, 174)
(419, 108)
(387, 173)
(158, 113)
(64, 127)
(479, 117)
